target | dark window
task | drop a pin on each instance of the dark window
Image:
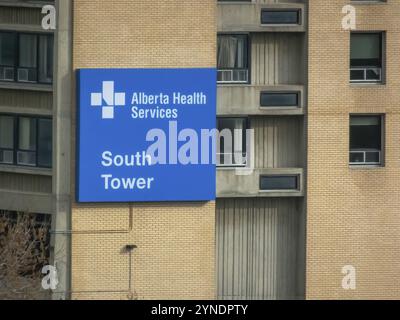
(46, 58)
(45, 146)
(366, 57)
(7, 129)
(7, 48)
(279, 182)
(365, 140)
(26, 57)
(280, 99)
(232, 141)
(26, 141)
(269, 16)
(232, 58)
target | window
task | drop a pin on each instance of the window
(232, 58)
(26, 57)
(27, 136)
(45, 146)
(366, 57)
(26, 141)
(6, 140)
(232, 142)
(366, 140)
(279, 182)
(270, 16)
(279, 99)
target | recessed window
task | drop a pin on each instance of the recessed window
(279, 99)
(6, 140)
(366, 62)
(366, 140)
(232, 58)
(26, 141)
(232, 150)
(26, 57)
(269, 16)
(279, 182)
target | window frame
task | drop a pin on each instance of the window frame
(297, 93)
(296, 10)
(16, 149)
(248, 60)
(382, 119)
(277, 175)
(16, 66)
(382, 48)
(246, 122)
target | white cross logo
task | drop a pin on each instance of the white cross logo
(111, 98)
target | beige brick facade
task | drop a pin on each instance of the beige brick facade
(353, 214)
(175, 258)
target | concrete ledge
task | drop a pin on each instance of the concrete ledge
(25, 4)
(26, 111)
(26, 201)
(26, 86)
(26, 170)
(230, 184)
(246, 17)
(245, 100)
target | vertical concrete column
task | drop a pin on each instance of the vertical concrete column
(62, 135)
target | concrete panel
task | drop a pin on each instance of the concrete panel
(24, 101)
(25, 182)
(20, 15)
(62, 101)
(231, 184)
(278, 142)
(26, 202)
(260, 245)
(245, 100)
(278, 59)
(246, 17)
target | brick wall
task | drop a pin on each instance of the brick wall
(175, 258)
(353, 214)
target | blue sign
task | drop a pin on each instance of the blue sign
(146, 135)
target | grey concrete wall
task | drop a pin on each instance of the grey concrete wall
(277, 59)
(278, 141)
(261, 235)
(278, 63)
(258, 254)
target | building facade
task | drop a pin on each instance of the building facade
(309, 188)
